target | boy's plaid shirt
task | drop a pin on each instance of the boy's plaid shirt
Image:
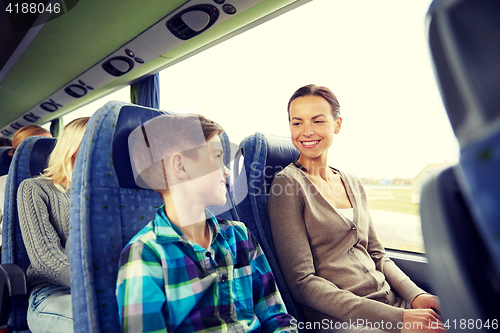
(166, 283)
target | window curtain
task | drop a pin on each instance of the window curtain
(146, 92)
(56, 126)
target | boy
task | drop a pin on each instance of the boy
(185, 271)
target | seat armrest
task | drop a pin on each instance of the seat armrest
(12, 283)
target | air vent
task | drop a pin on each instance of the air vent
(50, 106)
(75, 90)
(78, 90)
(193, 21)
(118, 66)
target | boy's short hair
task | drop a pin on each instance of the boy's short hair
(157, 139)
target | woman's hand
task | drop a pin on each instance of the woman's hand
(426, 301)
(421, 321)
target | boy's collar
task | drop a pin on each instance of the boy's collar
(166, 231)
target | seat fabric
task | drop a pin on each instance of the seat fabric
(29, 160)
(263, 157)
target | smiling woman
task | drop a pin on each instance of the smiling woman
(312, 123)
(331, 246)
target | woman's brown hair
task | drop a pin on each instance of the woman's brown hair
(321, 91)
(25, 132)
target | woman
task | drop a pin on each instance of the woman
(331, 257)
(43, 206)
(23, 133)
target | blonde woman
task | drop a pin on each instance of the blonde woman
(43, 206)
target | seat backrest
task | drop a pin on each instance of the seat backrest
(29, 160)
(461, 268)
(468, 80)
(107, 210)
(464, 40)
(263, 157)
(5, 160)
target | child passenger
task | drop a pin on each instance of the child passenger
(186, 271)
(43, 206)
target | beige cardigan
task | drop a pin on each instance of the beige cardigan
(336, 269)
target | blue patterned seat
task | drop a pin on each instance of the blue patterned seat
(263, 157)
(29, 160)
(107, 210)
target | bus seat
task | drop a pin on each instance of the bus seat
(264, 156)
(460, 266)
(469, 82)
(5, 160)
(107, 210)
(30, 158)
(12, 285)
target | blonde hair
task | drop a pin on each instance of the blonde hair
(25, 132)
(60, 167)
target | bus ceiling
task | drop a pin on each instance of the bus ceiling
(75, 52)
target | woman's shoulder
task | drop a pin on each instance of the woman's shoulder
(35, 183)
(355, 184)
(350, 177)
(289, 173)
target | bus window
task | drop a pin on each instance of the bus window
(373, 56)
